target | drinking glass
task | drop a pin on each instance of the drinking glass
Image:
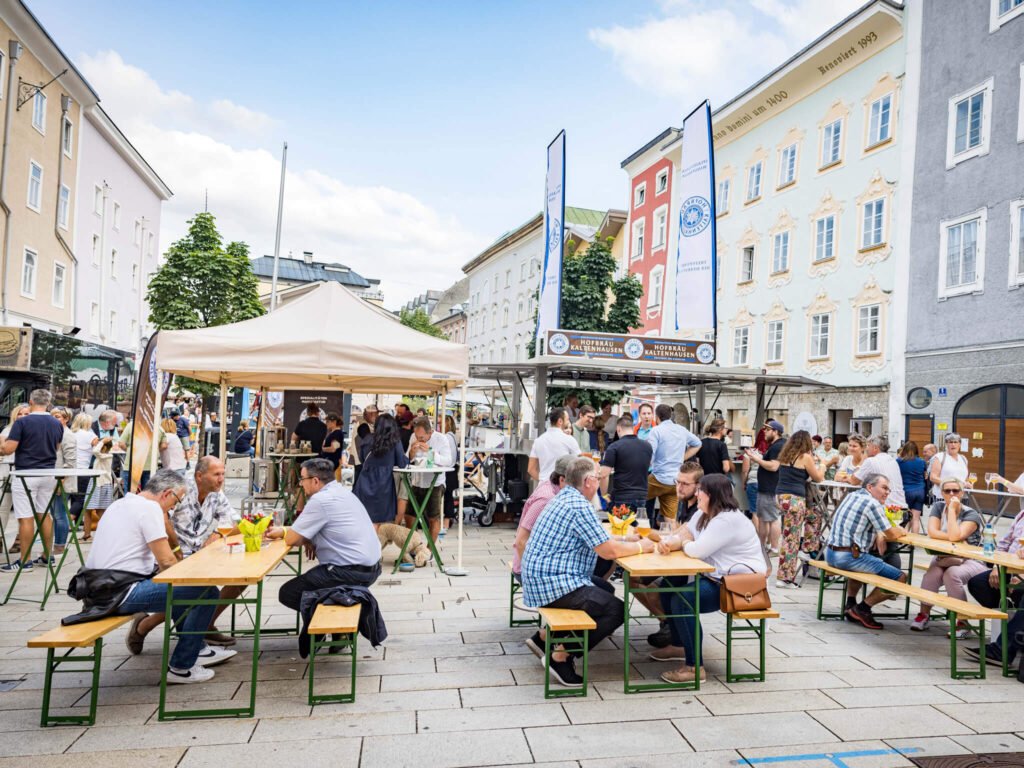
(643, 525)
(990, 479)
(972, 478)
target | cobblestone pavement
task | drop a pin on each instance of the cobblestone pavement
(454, 686)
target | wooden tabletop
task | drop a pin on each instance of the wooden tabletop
(960, 549)
(214, 565)
(672, 564)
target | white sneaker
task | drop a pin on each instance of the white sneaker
(787, 585)
(212, 655)
(197, 674)
(920, 624)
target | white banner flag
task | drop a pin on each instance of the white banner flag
(550, 305)
(695, 249)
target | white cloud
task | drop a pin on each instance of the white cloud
(378, 231)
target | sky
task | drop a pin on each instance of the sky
(416, 131)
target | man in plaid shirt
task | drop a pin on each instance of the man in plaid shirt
(858, 526)
(559, 560)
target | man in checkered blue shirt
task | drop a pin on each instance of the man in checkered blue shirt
(558, 564)
(859, 525)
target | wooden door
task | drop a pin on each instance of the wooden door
(920, 428)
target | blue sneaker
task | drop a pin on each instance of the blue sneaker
(42, 561)
(16, 566)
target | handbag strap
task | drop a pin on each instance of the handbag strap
(729, 572)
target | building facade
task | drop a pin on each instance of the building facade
(292, 273)
(449, 312)
(965, 340)
(117, 234)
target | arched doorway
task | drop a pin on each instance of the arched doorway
(992, 420)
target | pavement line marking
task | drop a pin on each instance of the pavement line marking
(835, 758)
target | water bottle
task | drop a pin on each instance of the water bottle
(430, 457)
(988, 540)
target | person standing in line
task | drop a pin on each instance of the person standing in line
(766, 516)
(714, 453)
(801, 523)
(673, 444)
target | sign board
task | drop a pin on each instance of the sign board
(627, 347)
(15, 348)
(942, 425)
(943, 392)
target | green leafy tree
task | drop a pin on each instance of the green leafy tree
(420, 321)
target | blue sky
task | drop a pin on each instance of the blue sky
(416, 130)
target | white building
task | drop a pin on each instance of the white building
(117, 233)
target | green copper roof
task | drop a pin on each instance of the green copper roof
(584, 217)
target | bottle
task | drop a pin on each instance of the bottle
(430, 457)
(988, 540)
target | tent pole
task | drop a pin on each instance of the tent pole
(223, 417)
(260, 422)
(154, 448)
(458, 570)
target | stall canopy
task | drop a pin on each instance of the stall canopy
(327, 339)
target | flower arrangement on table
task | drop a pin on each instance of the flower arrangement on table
(894, 513)
(253, 526)
(620, 518)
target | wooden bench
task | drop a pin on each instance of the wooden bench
(515, 588)
(85, 635)
(754, 624)
(342, 623)
(956, 610)
(572, 629)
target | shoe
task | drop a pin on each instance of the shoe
(218, 638)
(213, 655)
(993, 656)
(197, 674)
(920, 623)
(864, 617)
(42, 561)
(17, 565)
(662, 638)
(668, 653)
(963, 632)
(684, 675)
(616, 574)
(565, 673)
(787, 584)
(773, 551)
(133, 639)
(536, 645)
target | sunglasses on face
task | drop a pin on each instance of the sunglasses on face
(947, 491)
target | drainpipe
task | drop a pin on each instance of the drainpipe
(65, 105)
(142, 284)
(14, 53)
(103, 258)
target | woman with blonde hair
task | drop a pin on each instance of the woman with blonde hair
(101, 492)
(172, 455)
(801, 523)
(856, 447)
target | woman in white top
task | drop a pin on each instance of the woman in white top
(856, 447)
(173, 456)
(719, 534)
(950, 463)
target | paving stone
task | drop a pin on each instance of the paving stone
(752, 730)
(579, 742)
(405, 701)
(986, 718)
(467, 678)
(817, 755)
(987, 742)
(757, 701)
(173, 734)
(502, 696)
(323, 753)
(714, 759)
(905, 695)
(491, 718)
(440, 750)
(127, 758)
(979, 694)
(335, 722)
(922, 747)
(596, 711)
(49, 741)
(792, 681)
(890, 722)
(28, 719)
(299, 688)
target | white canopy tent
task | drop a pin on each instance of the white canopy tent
(327, 339)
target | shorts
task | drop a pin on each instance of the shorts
(866, 563)
(41, 488)
(434, 504)
(915, 500)
(767, 510)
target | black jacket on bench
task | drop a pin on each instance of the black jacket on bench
(101, 591)
(371, 623)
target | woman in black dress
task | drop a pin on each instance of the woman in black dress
(380, 454)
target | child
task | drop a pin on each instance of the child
(101, 494)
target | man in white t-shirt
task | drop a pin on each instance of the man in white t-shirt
(132, 538)
(552, 444)
(424, 439)
(879, 462)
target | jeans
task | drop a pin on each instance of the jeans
(684, 628)
(751, 499)
(61, 526)
(324, 576)
(126, 477)
(988, 596)
(866, 563)
(602, 606)
(152, 598)
(78, 499)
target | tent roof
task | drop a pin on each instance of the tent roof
(327, 339)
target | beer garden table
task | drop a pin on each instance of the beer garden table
(419, 507)
(287, 472)
(1001, 500)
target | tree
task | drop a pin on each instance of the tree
(202, 284)
(420, 321)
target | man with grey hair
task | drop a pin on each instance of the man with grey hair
(34, 440)
(131, 545)
(858, 526)
(880, 462)
(558, 563)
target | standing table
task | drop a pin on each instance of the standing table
(286, 477)
(1002, 501)
(418, 508)
(53, 571)
(653, 565)
(215, 566)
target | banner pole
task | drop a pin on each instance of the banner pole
(222, 440)
(154, 449)
(458, 570)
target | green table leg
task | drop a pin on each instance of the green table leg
(38, 519)
(72, 533)
(694, 612)
(3, 537)
(421, 521)
(1004, 606)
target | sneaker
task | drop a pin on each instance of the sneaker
(993, 656)
(197, 674)
(42, 561)
(536, 645)
(133, 639)
(662, 638)
(668, 653)
(862, 615)
(17, 565)
(219, 638)
(963, 632)
(684, 675)
(616, 574)
(565, 673)
(212, 655)
(920, 624)
(787, 584)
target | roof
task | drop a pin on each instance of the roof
(584, 217)
(453, 297)
(298, 270)
(652, 143)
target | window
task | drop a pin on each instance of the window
(754, 181)
(776, 338)
(135, 276)
(639, 195)
(39, 112)
(874, 224)
(520, 309)
(780, 253)
(113, 263)
(880, 121)
(97, 201)
(522, 267)
(495, 277)
(661, 182)
(96, 250)
(970, 118)
(821, 336)
(58, 285)
(831, 143)
(787, 166)
(962, 254)
(1003, 11)
(638, 240)
(35, 186)
(824, 238)
(63, 206)
(29, 262)
(504, 315)
(67, 137)
(869, 329)
(112, 329)
(117, 216)
(137, 238)
(723, 197)
(94, 319)
(741, 345)
(660, 227)
(1017, 243)
(654, 289)
(133, 330)
(508, 278)
(494, 317)
(747, 264)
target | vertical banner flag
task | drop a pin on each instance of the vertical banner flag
(695, 249)
(144, 413)
(550, 305)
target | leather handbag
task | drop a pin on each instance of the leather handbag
(744, 592)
